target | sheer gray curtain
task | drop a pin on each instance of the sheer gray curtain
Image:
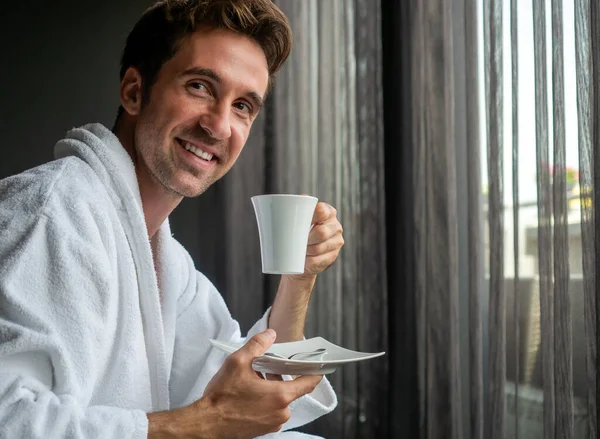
(542, 312)
(507, 306)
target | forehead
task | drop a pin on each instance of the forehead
(237, 59)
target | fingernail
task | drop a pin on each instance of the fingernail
(270, 333)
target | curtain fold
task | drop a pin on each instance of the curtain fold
(594, 20)
(544, 197)
(563, 367)
(495, 415)
(372, 279)
(475, 256)
(399, 26)
(420, 213)
(514, 43)
(586, 183)
(435, 219)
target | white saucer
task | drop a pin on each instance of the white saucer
(335, 357)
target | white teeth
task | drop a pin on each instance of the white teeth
(204, 155)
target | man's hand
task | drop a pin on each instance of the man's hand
(325, 240)
(237, 404)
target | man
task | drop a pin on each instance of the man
(104, 322)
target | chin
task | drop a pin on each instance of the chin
(190, 190)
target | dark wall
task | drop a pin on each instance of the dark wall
(59, 68)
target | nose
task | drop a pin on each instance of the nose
(217, 121)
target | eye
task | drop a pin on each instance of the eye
(198, 86)
(243, 106)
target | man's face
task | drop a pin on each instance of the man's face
(200, 110)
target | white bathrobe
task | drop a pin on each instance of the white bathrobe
(95, 332)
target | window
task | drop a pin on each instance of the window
(526, 352)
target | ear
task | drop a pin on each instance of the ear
(131, 91)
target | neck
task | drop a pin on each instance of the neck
(157, 201)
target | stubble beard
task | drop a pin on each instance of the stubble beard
(165, 171)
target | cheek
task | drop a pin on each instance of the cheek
(239, 136)
(168, 110)
(151, 121)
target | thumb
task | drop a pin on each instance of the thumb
(303, 384)
(258, 344)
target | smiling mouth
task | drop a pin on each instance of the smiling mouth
(208, 157)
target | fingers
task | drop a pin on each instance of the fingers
(323, 232)
(257, 345)
(324, 240)
(323, 212)
(318, 264)
(302, 385)
(273, 377)
(332, 244)
(268, 376)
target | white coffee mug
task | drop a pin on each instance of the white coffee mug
(284, 222)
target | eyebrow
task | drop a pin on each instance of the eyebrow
(209, 73)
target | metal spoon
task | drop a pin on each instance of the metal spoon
(319, 351)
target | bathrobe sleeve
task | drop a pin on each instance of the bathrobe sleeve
(203, 314)
(54, 282)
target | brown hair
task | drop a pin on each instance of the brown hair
(157, 35)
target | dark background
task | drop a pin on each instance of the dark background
(59, 69)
